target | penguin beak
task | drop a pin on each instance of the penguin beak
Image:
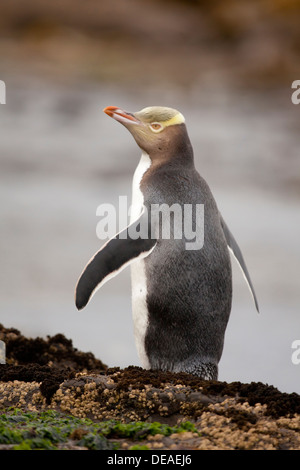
(119, 115)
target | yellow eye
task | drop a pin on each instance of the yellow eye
(156, 127)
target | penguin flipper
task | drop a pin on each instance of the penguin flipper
(112, 258)
(235, 250)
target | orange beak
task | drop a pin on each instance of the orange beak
(120, 115)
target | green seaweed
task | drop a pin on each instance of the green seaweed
(50, 430)
(95, 442)
(139, 447)
(140, 429)
(35, 444)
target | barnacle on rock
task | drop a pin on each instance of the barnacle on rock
(224, 415)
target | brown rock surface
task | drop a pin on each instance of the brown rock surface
(226, 415)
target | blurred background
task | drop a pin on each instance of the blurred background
(228, 67)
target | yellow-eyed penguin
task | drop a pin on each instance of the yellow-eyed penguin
(181, 290)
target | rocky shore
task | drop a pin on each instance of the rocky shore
(162, 410)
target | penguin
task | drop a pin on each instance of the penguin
(181, 293)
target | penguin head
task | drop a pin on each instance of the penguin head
(156, 129)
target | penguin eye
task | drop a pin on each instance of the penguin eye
(156, 126)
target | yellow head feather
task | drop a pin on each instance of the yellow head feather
(165, 116)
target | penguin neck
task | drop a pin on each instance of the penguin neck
(176, 149)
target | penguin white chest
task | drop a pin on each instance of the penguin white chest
(138, 274)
